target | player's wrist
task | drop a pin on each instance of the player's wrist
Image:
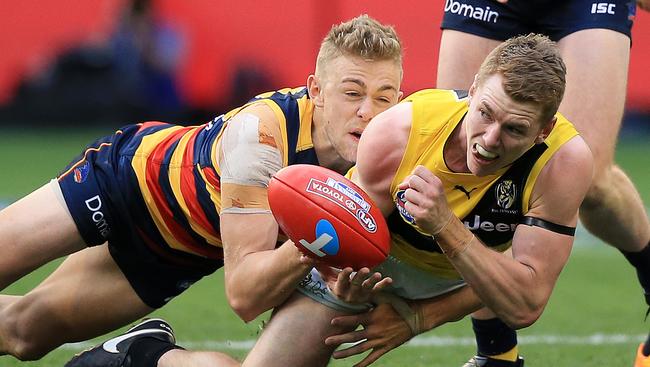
(453, 238)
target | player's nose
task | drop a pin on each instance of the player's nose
(366, 110)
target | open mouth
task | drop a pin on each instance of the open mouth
(483, 154)
(356, 135)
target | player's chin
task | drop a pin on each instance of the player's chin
(349, 151)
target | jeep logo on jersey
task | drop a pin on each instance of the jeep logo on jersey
(399, 203)
(326, 242)
(506, 194)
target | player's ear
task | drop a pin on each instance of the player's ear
(546, 130)
(315, 90)
(472, 89)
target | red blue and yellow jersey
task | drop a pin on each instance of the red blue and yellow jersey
(175, 176)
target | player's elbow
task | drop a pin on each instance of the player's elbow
(243, 307)
(522, 321)
(523, 318)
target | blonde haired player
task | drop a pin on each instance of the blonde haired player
(153, 208)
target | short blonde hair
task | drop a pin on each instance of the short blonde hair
(362, 36)
(532, 71)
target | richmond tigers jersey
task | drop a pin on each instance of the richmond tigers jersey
(490, 206)
(178, 175)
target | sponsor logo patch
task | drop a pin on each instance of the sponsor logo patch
(326, 242)
(506, 193)
(345, 197)
(81, 172)
(471, 11)
(603, 8)
(399, 203)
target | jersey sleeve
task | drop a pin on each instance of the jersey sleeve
(250, 153)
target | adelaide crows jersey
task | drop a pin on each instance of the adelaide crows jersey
(163, 182)
(491, 206)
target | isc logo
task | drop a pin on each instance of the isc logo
(327, 241)
(602, 8)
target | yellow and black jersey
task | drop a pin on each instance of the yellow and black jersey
(176, 177)
(490, 206)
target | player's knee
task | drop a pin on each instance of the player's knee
(21, 336)
(19, 342)
(601, 187)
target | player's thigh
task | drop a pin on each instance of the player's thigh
(86, 296)
(459, 58)
(33, 231)
(295, 335)
(596, 84)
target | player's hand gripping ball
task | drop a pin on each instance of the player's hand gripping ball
(328, 217)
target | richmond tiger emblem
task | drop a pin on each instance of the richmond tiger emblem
(506, 194)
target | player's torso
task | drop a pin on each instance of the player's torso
(176, 176)
(490, 206)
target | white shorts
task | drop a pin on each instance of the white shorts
(409, 282)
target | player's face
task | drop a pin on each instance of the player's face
(353, 91)
(499, 130)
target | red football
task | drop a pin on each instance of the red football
(327, 216)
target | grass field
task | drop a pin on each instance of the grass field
(594, 318)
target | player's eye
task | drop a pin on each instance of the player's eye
(484, 114)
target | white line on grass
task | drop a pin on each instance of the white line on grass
(421, 341)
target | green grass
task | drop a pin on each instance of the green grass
(596, 294)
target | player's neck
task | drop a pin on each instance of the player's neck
(455, 150)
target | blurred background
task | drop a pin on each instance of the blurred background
(92, 62)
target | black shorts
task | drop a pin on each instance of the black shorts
(103, 199)
(554, 18)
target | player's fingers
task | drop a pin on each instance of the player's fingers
(382, 284)
(349, 321)
(345, 274)
(413, 197)
(371, 358)
(358, 278)
(404, 184)
(343, 279)
(350, 337)
(307, 260)
(353, 350)
(423, 173)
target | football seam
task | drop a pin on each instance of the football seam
(344, 223)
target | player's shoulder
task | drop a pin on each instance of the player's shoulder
(437, 96)
(270, 106)
(389, 130)
(570, 167)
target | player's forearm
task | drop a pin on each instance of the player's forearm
(263, 280)
(448, 307)
(509, 288)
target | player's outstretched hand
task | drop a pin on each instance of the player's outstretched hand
(382, 331)
(357, 287)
